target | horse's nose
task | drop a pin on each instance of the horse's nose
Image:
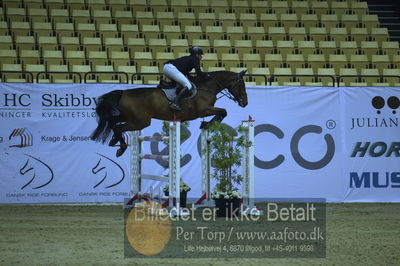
(245, 100)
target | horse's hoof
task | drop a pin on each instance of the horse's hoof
(204, 125)
(120, 152)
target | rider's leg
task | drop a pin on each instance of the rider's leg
(183, 93)
(173, 73)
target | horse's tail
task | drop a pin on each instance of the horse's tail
(106, 107)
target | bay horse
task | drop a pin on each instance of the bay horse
(133, 109)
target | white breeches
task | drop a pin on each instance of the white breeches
(174, 74)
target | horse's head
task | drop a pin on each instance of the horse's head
(237, 88)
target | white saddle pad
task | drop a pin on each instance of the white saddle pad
(171, 93)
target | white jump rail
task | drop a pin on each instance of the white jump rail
(173, 158)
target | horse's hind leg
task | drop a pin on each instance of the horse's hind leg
(117, 135)
(115, 138)
(113, 141)
(119, 129)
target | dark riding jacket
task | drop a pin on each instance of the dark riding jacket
(185, 64)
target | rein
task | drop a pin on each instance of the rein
(225, 93)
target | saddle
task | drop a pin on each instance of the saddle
(171, 89)
(167, 85)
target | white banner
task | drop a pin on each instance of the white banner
(371, 143)
(336, 143)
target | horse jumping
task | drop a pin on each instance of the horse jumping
(133, 109)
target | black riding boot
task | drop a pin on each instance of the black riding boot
(176, 104)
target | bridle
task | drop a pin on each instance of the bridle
(225, 92)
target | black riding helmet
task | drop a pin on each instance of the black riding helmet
(196, 50)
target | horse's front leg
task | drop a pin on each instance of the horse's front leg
(219, 115)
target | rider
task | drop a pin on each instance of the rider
(178, 70)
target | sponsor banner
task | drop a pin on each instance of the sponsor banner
(371, 144)
(46, 153)
(311, 142)
(297, 151)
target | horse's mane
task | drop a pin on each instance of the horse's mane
(214, 74)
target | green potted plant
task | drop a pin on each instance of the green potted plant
(225, 160)
(184, 188)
